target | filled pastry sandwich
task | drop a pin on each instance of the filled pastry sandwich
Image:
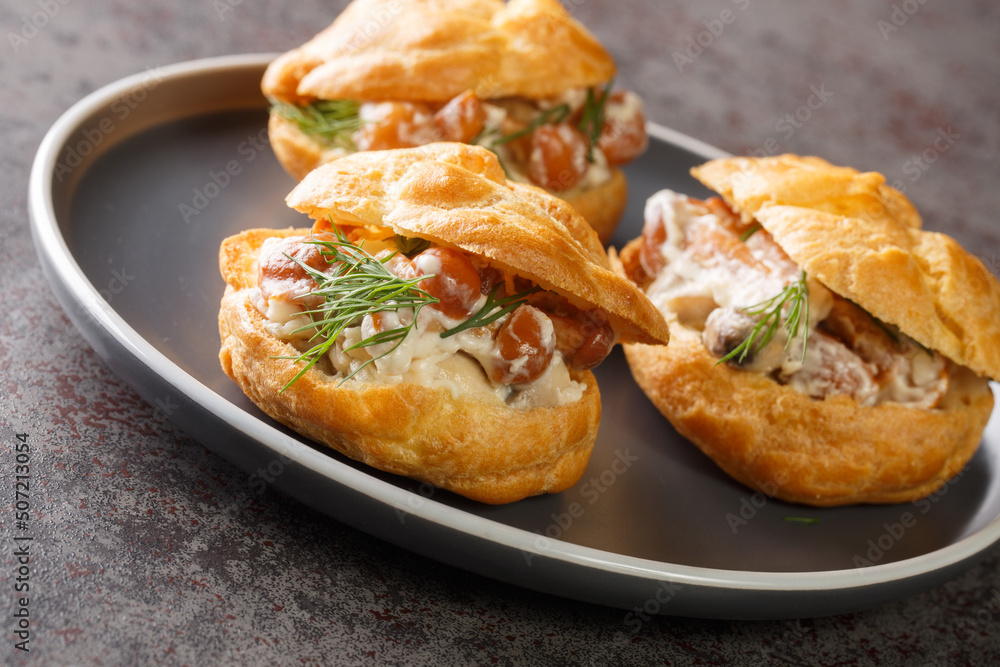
(436, 321)
(823, 347)
(523, 79)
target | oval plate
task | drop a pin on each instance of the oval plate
(131, 193)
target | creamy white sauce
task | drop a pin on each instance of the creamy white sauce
(728, 283)
(285, 319)
(624, 111)
(574, 97)
(598, 172)
(916, 377)
(416, 132)
(554, 387)
(333, 153)
(722, 286)
(423, 357)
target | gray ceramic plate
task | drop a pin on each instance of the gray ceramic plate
(135, 186)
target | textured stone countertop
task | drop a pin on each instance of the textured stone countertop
(149, 549)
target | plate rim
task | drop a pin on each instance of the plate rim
(52, 246)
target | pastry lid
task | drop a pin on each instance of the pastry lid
(863, 240)
(457, 195)
(433, 50)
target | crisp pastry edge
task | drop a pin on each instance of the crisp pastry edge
(482, 450)
(818, 452)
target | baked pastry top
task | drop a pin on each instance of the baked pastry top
(456, 195)
(871, 383)
(863, 239)
(432, 50)
(495, 411)
(523, 79)
(451, 432)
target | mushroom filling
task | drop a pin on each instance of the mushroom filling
(726, 280)
(411, 311)
(562, 144)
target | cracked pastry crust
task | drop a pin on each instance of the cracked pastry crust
(424, 50)
(862, 240)
(455, 196)
(480, 449)
(431, 52)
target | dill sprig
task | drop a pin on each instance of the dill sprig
(554, 115)
(750, 231)
(590, 125)
(411, 246)
(894, 336)
(592, 120)
(330, 121)
(796, 297)
(808, 520)
(357, 285)
(485, 315)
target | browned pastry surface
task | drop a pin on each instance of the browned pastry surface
(819, 452)
(454, 195)
(481, 449)
(433, 50)
(457, 195)
(862, 239)
(601, 206)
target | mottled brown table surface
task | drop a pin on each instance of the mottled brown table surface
(149, 548)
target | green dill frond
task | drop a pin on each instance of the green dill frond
(592, 120)
(796, 297)
(492, 310)
(331, 122)
(356, 285)
(556, 114)
(750, 231)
